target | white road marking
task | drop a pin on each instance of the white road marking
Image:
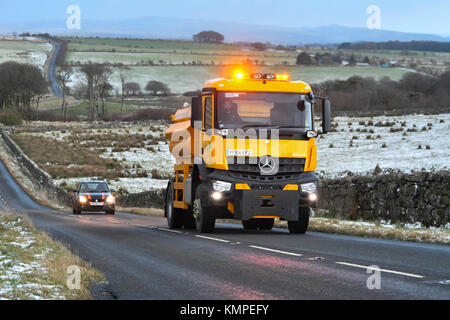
(164, 229)
(277, 251)
(210, 238)
(382, 270)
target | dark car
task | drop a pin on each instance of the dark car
(93, 196)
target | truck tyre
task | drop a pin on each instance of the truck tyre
(251, 224)
(188, 220)
(204, 218)
(173, 215)
(301, 225)
(265, 223)
(112, 212)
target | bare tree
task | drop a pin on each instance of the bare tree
(63, 78)
(132, 88)
(96, 74)
(104, 87)
(20, 84)
(122, 82)
(157, 87)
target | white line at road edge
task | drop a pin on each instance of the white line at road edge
(382, 270)
(210, 238)
(278, 251)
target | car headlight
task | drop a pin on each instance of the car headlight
(221, 186)
(310, 187)
(110, 199)
(82, 199)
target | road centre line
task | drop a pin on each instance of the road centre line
(277, 251)
(164, 229)
(382, 270)
(210, 238)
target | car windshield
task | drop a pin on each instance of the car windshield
(94, 187)
(263, 109)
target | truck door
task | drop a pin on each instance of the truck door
(212, 143)
(208, 127)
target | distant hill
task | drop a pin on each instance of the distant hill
(433, 46)
(176, 28)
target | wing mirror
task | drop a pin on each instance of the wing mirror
(196, 110)
(326, 116)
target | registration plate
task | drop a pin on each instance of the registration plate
(96, 203)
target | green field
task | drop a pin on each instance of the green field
(179, 57)
(83, 109)
(142, 44)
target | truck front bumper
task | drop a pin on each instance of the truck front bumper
(269, 200)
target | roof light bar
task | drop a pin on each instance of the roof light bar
(270, 76)
(282, 77)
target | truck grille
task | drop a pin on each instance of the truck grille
(287, 168)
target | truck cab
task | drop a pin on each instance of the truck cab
(245, 149)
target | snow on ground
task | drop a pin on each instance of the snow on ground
(32, 52)
(391, 150)
(18, 277)
(161, 160)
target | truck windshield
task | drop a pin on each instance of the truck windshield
(263, 109)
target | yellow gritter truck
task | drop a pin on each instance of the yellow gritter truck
(245, 149)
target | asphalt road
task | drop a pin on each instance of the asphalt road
(52, 67)
(142, 259)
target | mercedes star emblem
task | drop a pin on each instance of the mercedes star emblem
(267, 165)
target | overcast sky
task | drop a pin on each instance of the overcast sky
(416, 16)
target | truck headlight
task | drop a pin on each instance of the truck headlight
(82, 199)
(221, 186)
(312, 196)
(311, 134)
(310, 187)
(110, 199)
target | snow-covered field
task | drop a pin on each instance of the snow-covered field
(389, 150)
(33, 52)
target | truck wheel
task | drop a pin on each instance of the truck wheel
(111, 212)
(173, 215)
(251, 224)
(204, 219)
(188, 220)
(265, 223)
(301, 225)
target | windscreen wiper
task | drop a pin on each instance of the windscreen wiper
(260, 126)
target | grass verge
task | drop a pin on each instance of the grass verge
(32, 266)
(151, 212)
(377, 230)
